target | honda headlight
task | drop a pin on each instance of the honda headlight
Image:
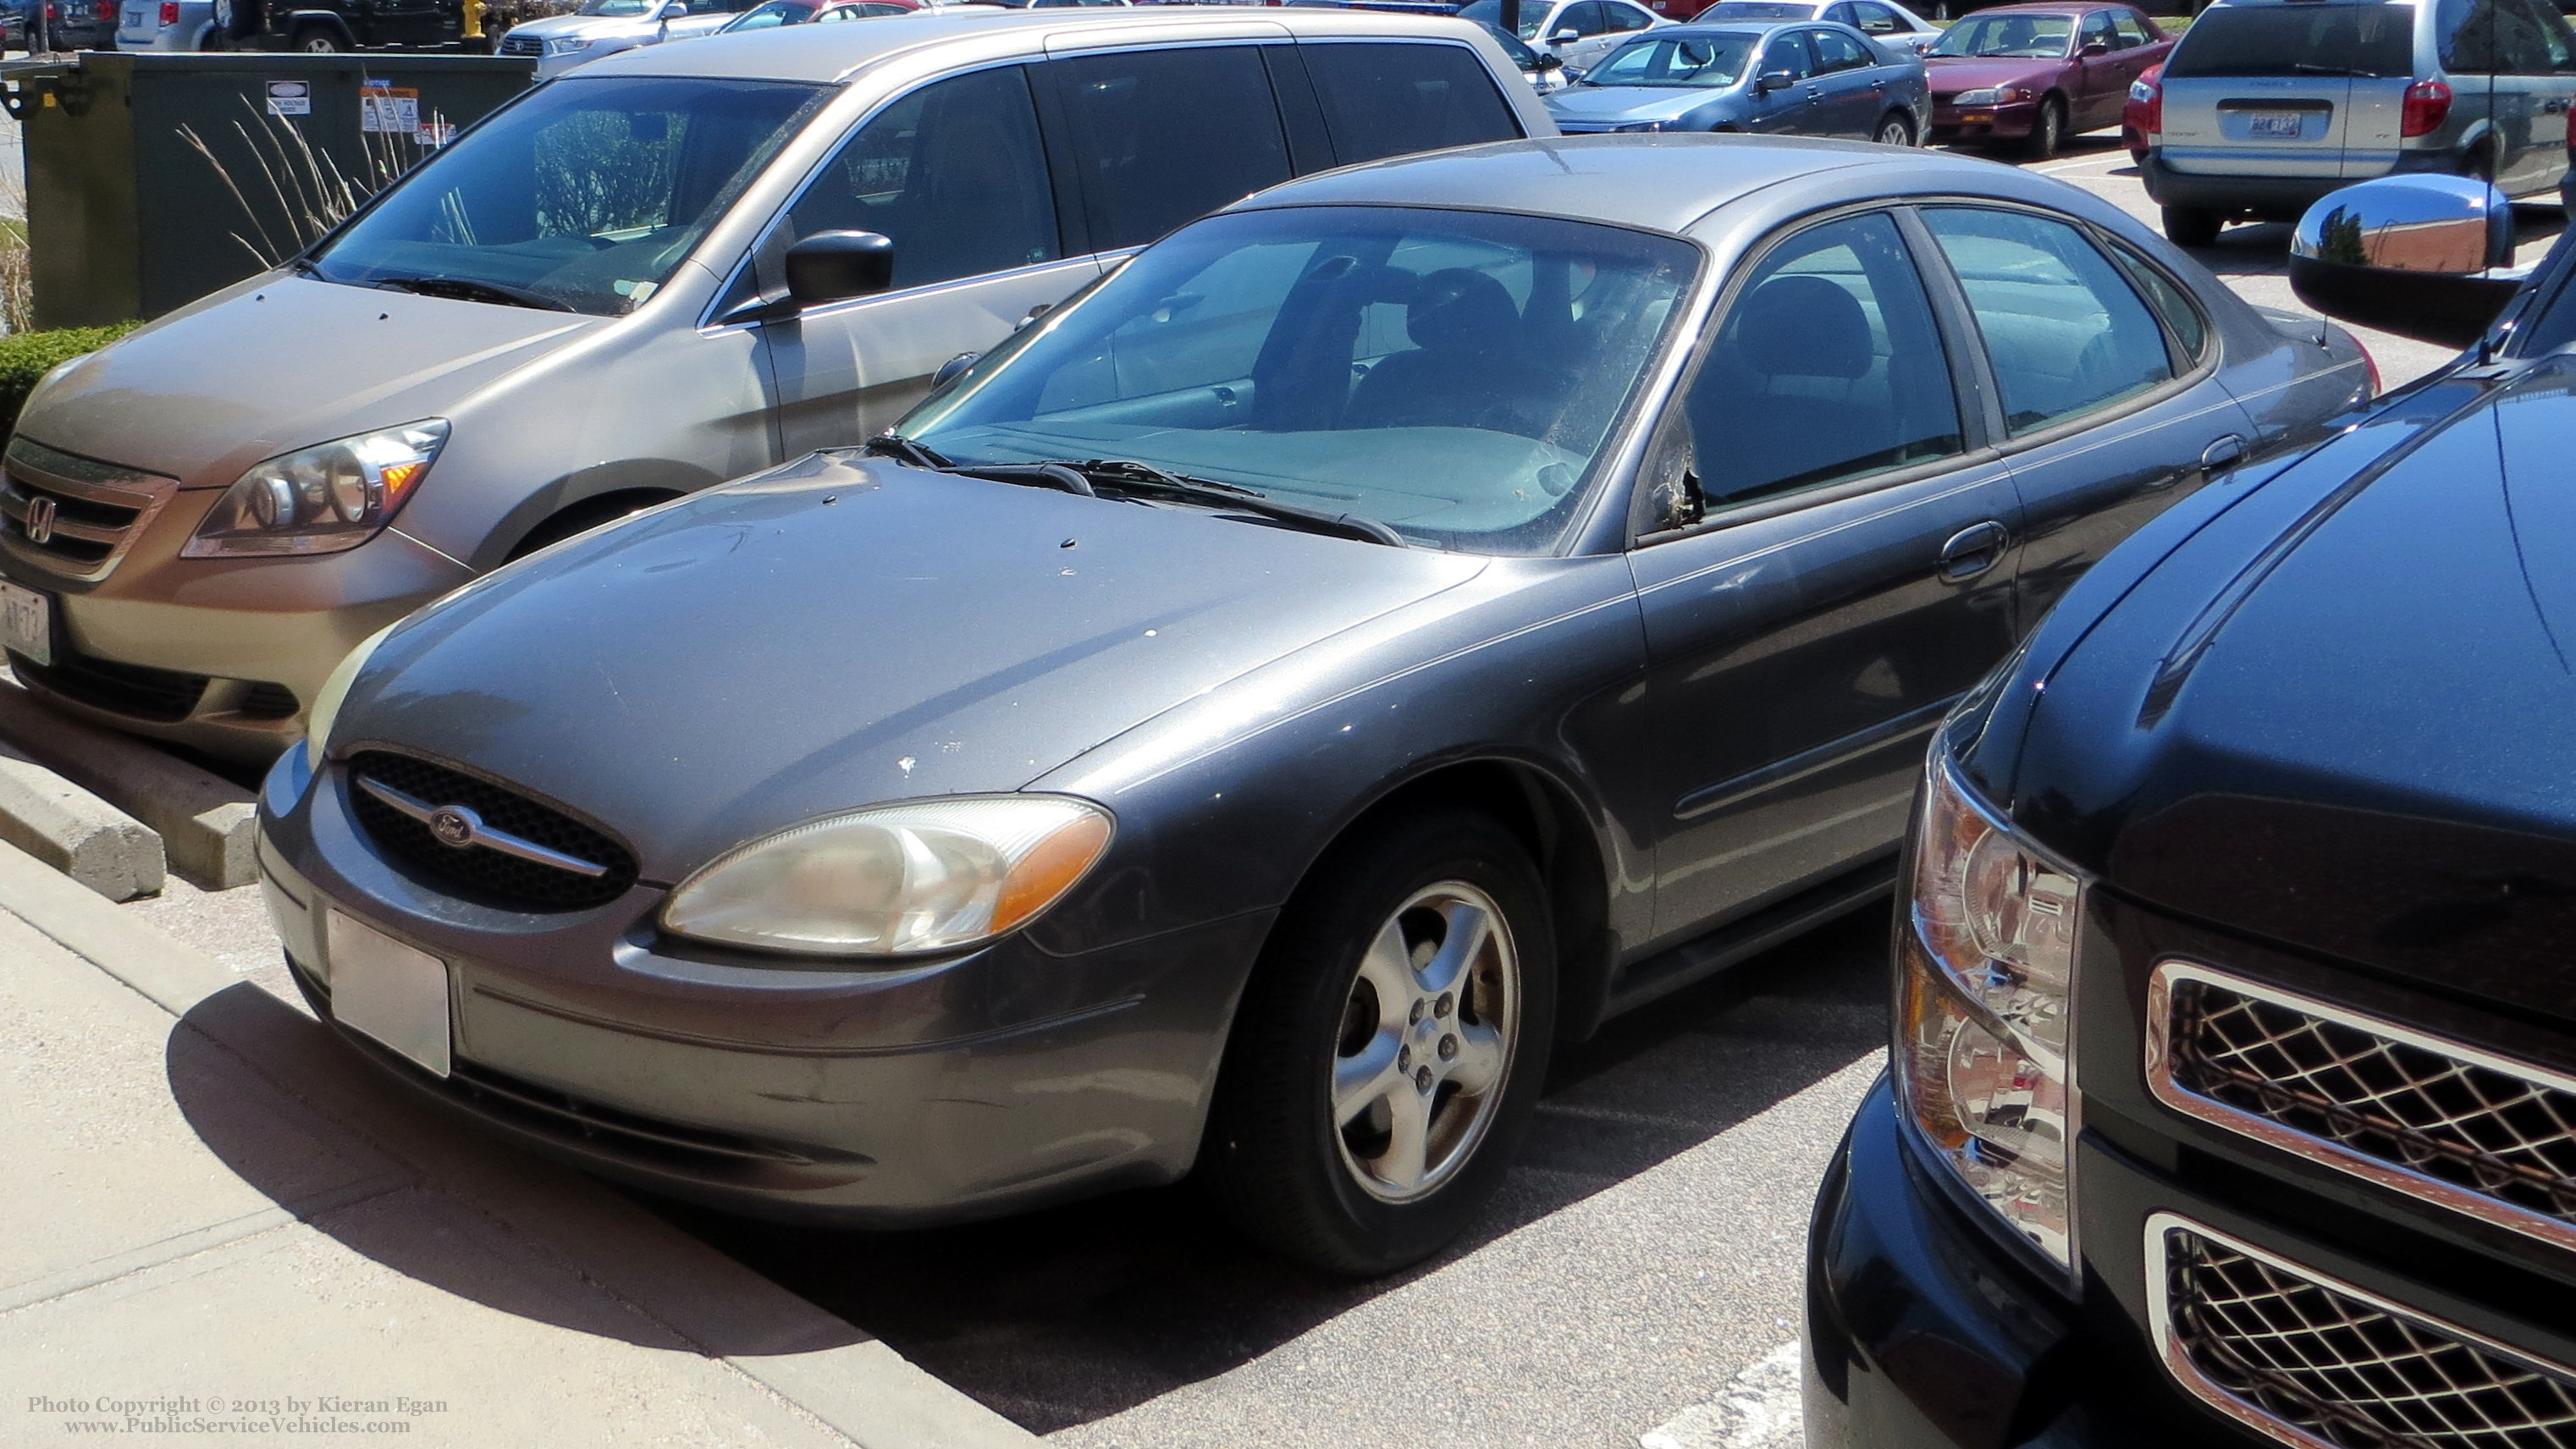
(1986, 97)
(1981, 1052)
(895, 880)
(321, 499)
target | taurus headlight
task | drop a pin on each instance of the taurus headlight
(320, 499)
(1987, 964)
(894, 880)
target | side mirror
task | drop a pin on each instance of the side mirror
(953, 369)
(676, 10)
(832, 266)
(1547, 62)
(1773, 80)
(1565, 37)
(2413, 255)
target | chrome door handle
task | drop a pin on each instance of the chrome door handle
(1973, 550)
(2223, 453)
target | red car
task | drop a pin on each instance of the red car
(2144, 115)
(2037, 74)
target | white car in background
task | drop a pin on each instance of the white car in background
(1576, 32)
(605, 27)
(1884, 21)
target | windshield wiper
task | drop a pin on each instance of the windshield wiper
(466, 289)
(1129, 476)
(2304, 68)
(891, 444)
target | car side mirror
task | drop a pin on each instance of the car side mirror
(1565, 37)
(676, 10)
(1548, 62)
(1773, 80)
(953, 369)
(833, 266)
(2413, 255)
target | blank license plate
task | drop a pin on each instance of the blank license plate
(27, 623)
(2278, 123)
(389, 991)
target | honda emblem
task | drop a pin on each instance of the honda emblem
(40, 520)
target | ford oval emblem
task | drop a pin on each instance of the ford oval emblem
(454, 825)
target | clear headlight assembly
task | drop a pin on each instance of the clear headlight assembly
(1986, 97)
(321, 499)
(907, 879)
(1987, 965)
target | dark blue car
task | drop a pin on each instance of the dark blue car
(2233, 1098)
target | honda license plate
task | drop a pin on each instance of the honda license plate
(2281, 124)
(388, 990)
(27, 624)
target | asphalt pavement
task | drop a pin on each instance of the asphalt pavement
(1637, 1284)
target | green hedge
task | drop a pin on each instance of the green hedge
(27, 356)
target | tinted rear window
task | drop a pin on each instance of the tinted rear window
(1383, 99)
(2370, 40)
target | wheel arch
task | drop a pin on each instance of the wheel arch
(331, 20)
(1552, 819)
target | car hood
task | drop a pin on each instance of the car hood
(556, 27)
(843, 631)
(1966, 74)
(279, 363)
(2344, 718)
(1605, 104)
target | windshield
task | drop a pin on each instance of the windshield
(1708, 61)
(2365, 40)
(2032, 37)
(1451, 374)
(620, 9)
(1490, 12)
(585, 194)
(1756, 10)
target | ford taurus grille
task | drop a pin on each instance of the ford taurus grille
(481, 841)
(2439, 1120)
(73, 516)
(2313, 1361)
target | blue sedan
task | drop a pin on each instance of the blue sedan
(1812, 79)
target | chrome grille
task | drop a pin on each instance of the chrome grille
(2313, 1361)
(73, 516)
(474, 872)
(523, 45)
(2472, 1131)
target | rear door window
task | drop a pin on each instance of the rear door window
(2065, 330)
(1391, 100)
(1623, 17)
(1160, 137)
(1876, 20)
(2503, 37)
(2131, 30)
(2366, 40)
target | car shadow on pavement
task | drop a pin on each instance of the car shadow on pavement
(386, 1172)
(1065, 1316)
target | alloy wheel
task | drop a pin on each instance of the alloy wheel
(1426, 1042)
(1894, 132)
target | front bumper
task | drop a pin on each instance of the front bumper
(221, 655)
(2009, 121)
(894, 1096)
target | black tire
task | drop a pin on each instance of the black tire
(2191, 226)
(1894, 130)
(2048, 132)
(2480, 165)
(579, 519)
(319, 40)
(1275, 1157)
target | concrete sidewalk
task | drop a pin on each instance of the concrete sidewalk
(220, 1222)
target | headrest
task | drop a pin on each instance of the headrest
(1461, 310)
(1803, 327)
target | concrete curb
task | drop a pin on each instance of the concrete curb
(208, 824)
(77, 833)
(854, 1386)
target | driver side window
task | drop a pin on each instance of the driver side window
(1827, 367)
(953, 174)
(1787, 52)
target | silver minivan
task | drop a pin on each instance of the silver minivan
(2268, 105)
(676, 266)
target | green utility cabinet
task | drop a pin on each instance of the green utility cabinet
(126, 219)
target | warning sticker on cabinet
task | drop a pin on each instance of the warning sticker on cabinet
(290, 98)
(388, 110)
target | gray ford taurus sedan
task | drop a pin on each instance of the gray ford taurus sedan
(1378, 633)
